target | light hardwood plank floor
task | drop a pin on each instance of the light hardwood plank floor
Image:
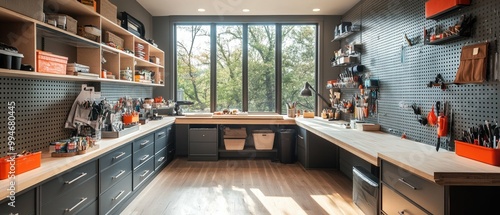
(244, 187)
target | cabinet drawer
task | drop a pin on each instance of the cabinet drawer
(142, 155)
(91, 209)
(160, 143)
(68, 181)
(163, 133)
(202, 148)
(393, 203)
(74, 201)
(143, 172)
(202, 135)
(116, 194)
(160, 158)
(143, 142)
(115, 157)
(301, 140)
(425, 193)
(112, 175)
(25, 204)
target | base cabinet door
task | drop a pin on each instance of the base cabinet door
(115, 195)
(24, 204)
(393, 203)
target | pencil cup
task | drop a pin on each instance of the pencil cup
(291, 113)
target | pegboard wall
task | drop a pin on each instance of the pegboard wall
(404, 71)
(42, 106)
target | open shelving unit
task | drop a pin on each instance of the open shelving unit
(28, 34)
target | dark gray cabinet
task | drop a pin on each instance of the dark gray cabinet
(143, 172)
(114, 196)
(25, 203)
(315, 152)
(115, 156)
(164, 138)
(203, 144)
(116, 173)
(73, 201)
(181, 139)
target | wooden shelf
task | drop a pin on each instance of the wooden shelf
(49, 31)
(47, 76)
(446, 39)
(70, 7)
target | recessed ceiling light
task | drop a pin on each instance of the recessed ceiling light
(246, 10)
(316, 9)
(201, 10)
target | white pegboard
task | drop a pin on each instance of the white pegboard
(383, 24)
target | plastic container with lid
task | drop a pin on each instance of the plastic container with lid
(9, 57)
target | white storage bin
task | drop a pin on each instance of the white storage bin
(263, 139)
(234, 144)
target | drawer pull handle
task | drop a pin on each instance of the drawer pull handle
(402, 180)
(161, 134)
(401, 212)
(118, 196)
(119, 174)
(145, 173)
(171, 151)
(144, 158)
(77, 178)
(144, 143)
(161, 159)
(77, 204)
(300, 137)
(119, 156)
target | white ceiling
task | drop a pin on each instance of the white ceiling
(256, 7)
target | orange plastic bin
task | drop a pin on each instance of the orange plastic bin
(23, 164)
(478, 153)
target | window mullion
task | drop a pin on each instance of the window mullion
(245, 68)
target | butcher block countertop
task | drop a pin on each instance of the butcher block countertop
(251, 119)
(52, 166)
(443, 167)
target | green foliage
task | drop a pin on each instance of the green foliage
(298, 65)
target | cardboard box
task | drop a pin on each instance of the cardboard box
(32, 8)
(108, 10)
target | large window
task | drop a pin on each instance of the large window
(229, 67)
(298, 64)
(244, 76)
(193, 66)
(261, 68)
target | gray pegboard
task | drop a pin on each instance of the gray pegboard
(41, 108)
(114, 91)
(383, 24)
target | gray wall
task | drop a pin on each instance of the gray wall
(164, 29)
(383, 24)
(133, 8)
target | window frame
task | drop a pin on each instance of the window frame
(176, 21)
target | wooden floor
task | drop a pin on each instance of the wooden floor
(244, 187)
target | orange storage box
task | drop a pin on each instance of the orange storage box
(47, 62)
(23, 164)
(478, 153)
(435, 8)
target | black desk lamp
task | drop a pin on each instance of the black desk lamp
(307, 92)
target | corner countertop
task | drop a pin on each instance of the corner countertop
(442, 167)
(52, 166)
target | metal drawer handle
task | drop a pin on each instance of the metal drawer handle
(144, 143)
(161, 133)
(173, 150)
(119, 174)
(77, 178)
(77, 204)
(401, 212)
(161, 159)
(118, 196)
(300, 137)
(144, 158)
(145, 173)
(402, 180)
(120, 155)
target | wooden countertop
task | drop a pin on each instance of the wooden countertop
(443, 167)
(237, 120)
(51, 166)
